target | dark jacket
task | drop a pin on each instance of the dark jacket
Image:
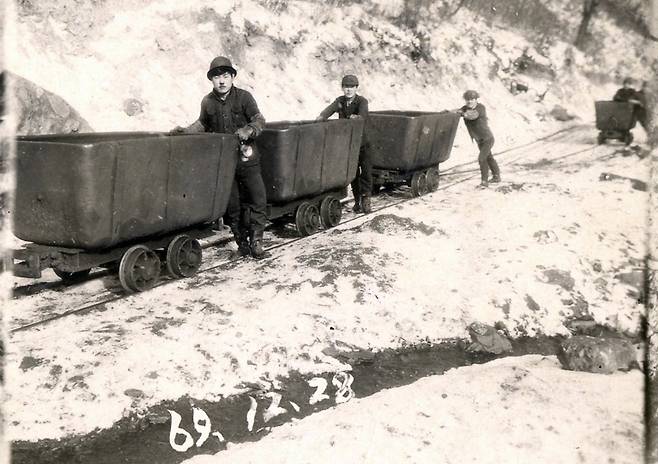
(478, 128)
(359, 106)
(226, 116)
(623, 95)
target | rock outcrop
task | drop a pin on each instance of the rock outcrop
(41, 112)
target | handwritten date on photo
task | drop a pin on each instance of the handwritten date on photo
(342, 381)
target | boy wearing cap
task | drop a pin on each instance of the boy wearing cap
(475, 118)
(349, 106)
(230, 110)
(628, 94)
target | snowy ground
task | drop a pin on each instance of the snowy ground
(550, 243)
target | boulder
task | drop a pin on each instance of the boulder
(41, 112)
(602, 355)
(486, 339)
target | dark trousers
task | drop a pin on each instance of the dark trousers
(486, 160)
(640, 115)
(247, 204)
(362, 183)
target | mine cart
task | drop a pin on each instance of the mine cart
(614, 120)
(124, 198)
(307, 166)
(407, 146)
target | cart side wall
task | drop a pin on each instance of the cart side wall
(199, 184)
(446, 130)
(611, 115)
(389, 138)
(278, 151)
(411, 140)
(341, 153)
(98, 195)
(57, 194)
(139, 205)
(302, 159)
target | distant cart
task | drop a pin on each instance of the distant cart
(126, 199)
(307, 166)
(614, 120)
(407, 146)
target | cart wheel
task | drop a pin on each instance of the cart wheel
(139, 269)
(313, 218)
(184, 256)
(71, 276)
(422, 183)
(418, 184)
(628, 138)
(432, 179)
(415, 184)
(301, 220)
(331, 211)
(601, 138)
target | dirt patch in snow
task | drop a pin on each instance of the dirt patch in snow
(348, 260)
(390, 224)
(559, 277)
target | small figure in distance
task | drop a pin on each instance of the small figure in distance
(637, 97)
(230, 110)
(475, 118)
(350, 106)
(627, 93)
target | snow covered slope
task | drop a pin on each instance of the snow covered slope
(113, 58)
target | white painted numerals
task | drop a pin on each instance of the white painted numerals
(341, 381)
(175, 431)
(201, 425)
(320, 386)
(274, 409)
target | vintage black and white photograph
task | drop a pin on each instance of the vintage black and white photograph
(319, 231)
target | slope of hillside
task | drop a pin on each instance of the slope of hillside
(137, 65)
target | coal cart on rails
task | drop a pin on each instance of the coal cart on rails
(131, 200)
(614, 120)
(407, 147)
(306, 167)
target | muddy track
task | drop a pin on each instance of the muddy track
(56, 293)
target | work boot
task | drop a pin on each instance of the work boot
(495, 179)
(357, 205)
(242, 241)
(483, 185)
(365, 204)
(257, 245)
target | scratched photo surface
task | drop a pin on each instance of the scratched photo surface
(484, 299)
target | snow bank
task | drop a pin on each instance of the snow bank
(511, 410)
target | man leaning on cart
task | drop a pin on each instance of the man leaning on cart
(350, 105)
(230, 110)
